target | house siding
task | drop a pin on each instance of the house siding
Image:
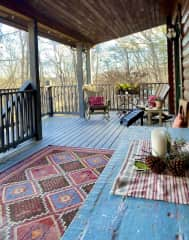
(185, 48)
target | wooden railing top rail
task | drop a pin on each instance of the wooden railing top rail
(75, 85)
(16, 92)
(64, 98)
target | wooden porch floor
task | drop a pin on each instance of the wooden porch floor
(69, 131)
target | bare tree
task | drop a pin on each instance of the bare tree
(142, 55)
(23, 39)
(60, 61)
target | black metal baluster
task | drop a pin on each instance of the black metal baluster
(12, 119)
(7, 124)
(21, 117)
(1, 124)
(17, 116)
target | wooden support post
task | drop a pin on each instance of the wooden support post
(50, 102)
(177, 55)
(34, 74)
(178, 62)
(170, 71)
(177, 71)
(88, 65)
(80, 79)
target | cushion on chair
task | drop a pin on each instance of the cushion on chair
(151, 100)
(178, 122)
(182, 119)
(96, 101)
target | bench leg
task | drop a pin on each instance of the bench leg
(141, 121)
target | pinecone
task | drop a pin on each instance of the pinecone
(149, 160)
(156, 164)
(177, 167)
(177, 146)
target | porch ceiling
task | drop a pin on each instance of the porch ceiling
(87, 21)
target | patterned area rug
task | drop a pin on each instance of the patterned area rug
(40, 196)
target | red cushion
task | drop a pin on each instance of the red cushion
(96, 101)
(151, 101)
(178, 122)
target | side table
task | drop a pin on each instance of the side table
(150, 112)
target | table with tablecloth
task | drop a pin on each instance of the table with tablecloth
(106, 216)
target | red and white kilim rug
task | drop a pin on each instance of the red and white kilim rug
(131, 182)
(40, 196)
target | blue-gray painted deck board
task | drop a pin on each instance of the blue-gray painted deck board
(107, 217)
(69, 131)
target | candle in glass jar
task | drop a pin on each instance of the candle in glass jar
(159, 142)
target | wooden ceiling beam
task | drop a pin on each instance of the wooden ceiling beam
(23, 8)
(92, 21)
(44, 31)
(19, 21)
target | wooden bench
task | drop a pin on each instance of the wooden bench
(129, 118)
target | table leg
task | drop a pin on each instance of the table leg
(160, 118)
(149, 116)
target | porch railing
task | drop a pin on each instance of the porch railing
(17, 118)
(17, 108)
(64, 99)
(59, 99)
(8, 90)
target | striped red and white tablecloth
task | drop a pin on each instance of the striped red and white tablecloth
(131, 182)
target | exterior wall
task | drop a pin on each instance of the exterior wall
(185, 48)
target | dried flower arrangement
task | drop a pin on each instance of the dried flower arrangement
(176, 162)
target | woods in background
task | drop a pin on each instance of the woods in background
(139, 57)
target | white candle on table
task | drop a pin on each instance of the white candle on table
(159, 142)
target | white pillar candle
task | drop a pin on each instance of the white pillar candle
(159, 142)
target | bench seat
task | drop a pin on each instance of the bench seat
(131, 117)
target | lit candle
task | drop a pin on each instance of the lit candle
(159, 142)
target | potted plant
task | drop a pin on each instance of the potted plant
(133, 89)
(158, 103)
(120, 88)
